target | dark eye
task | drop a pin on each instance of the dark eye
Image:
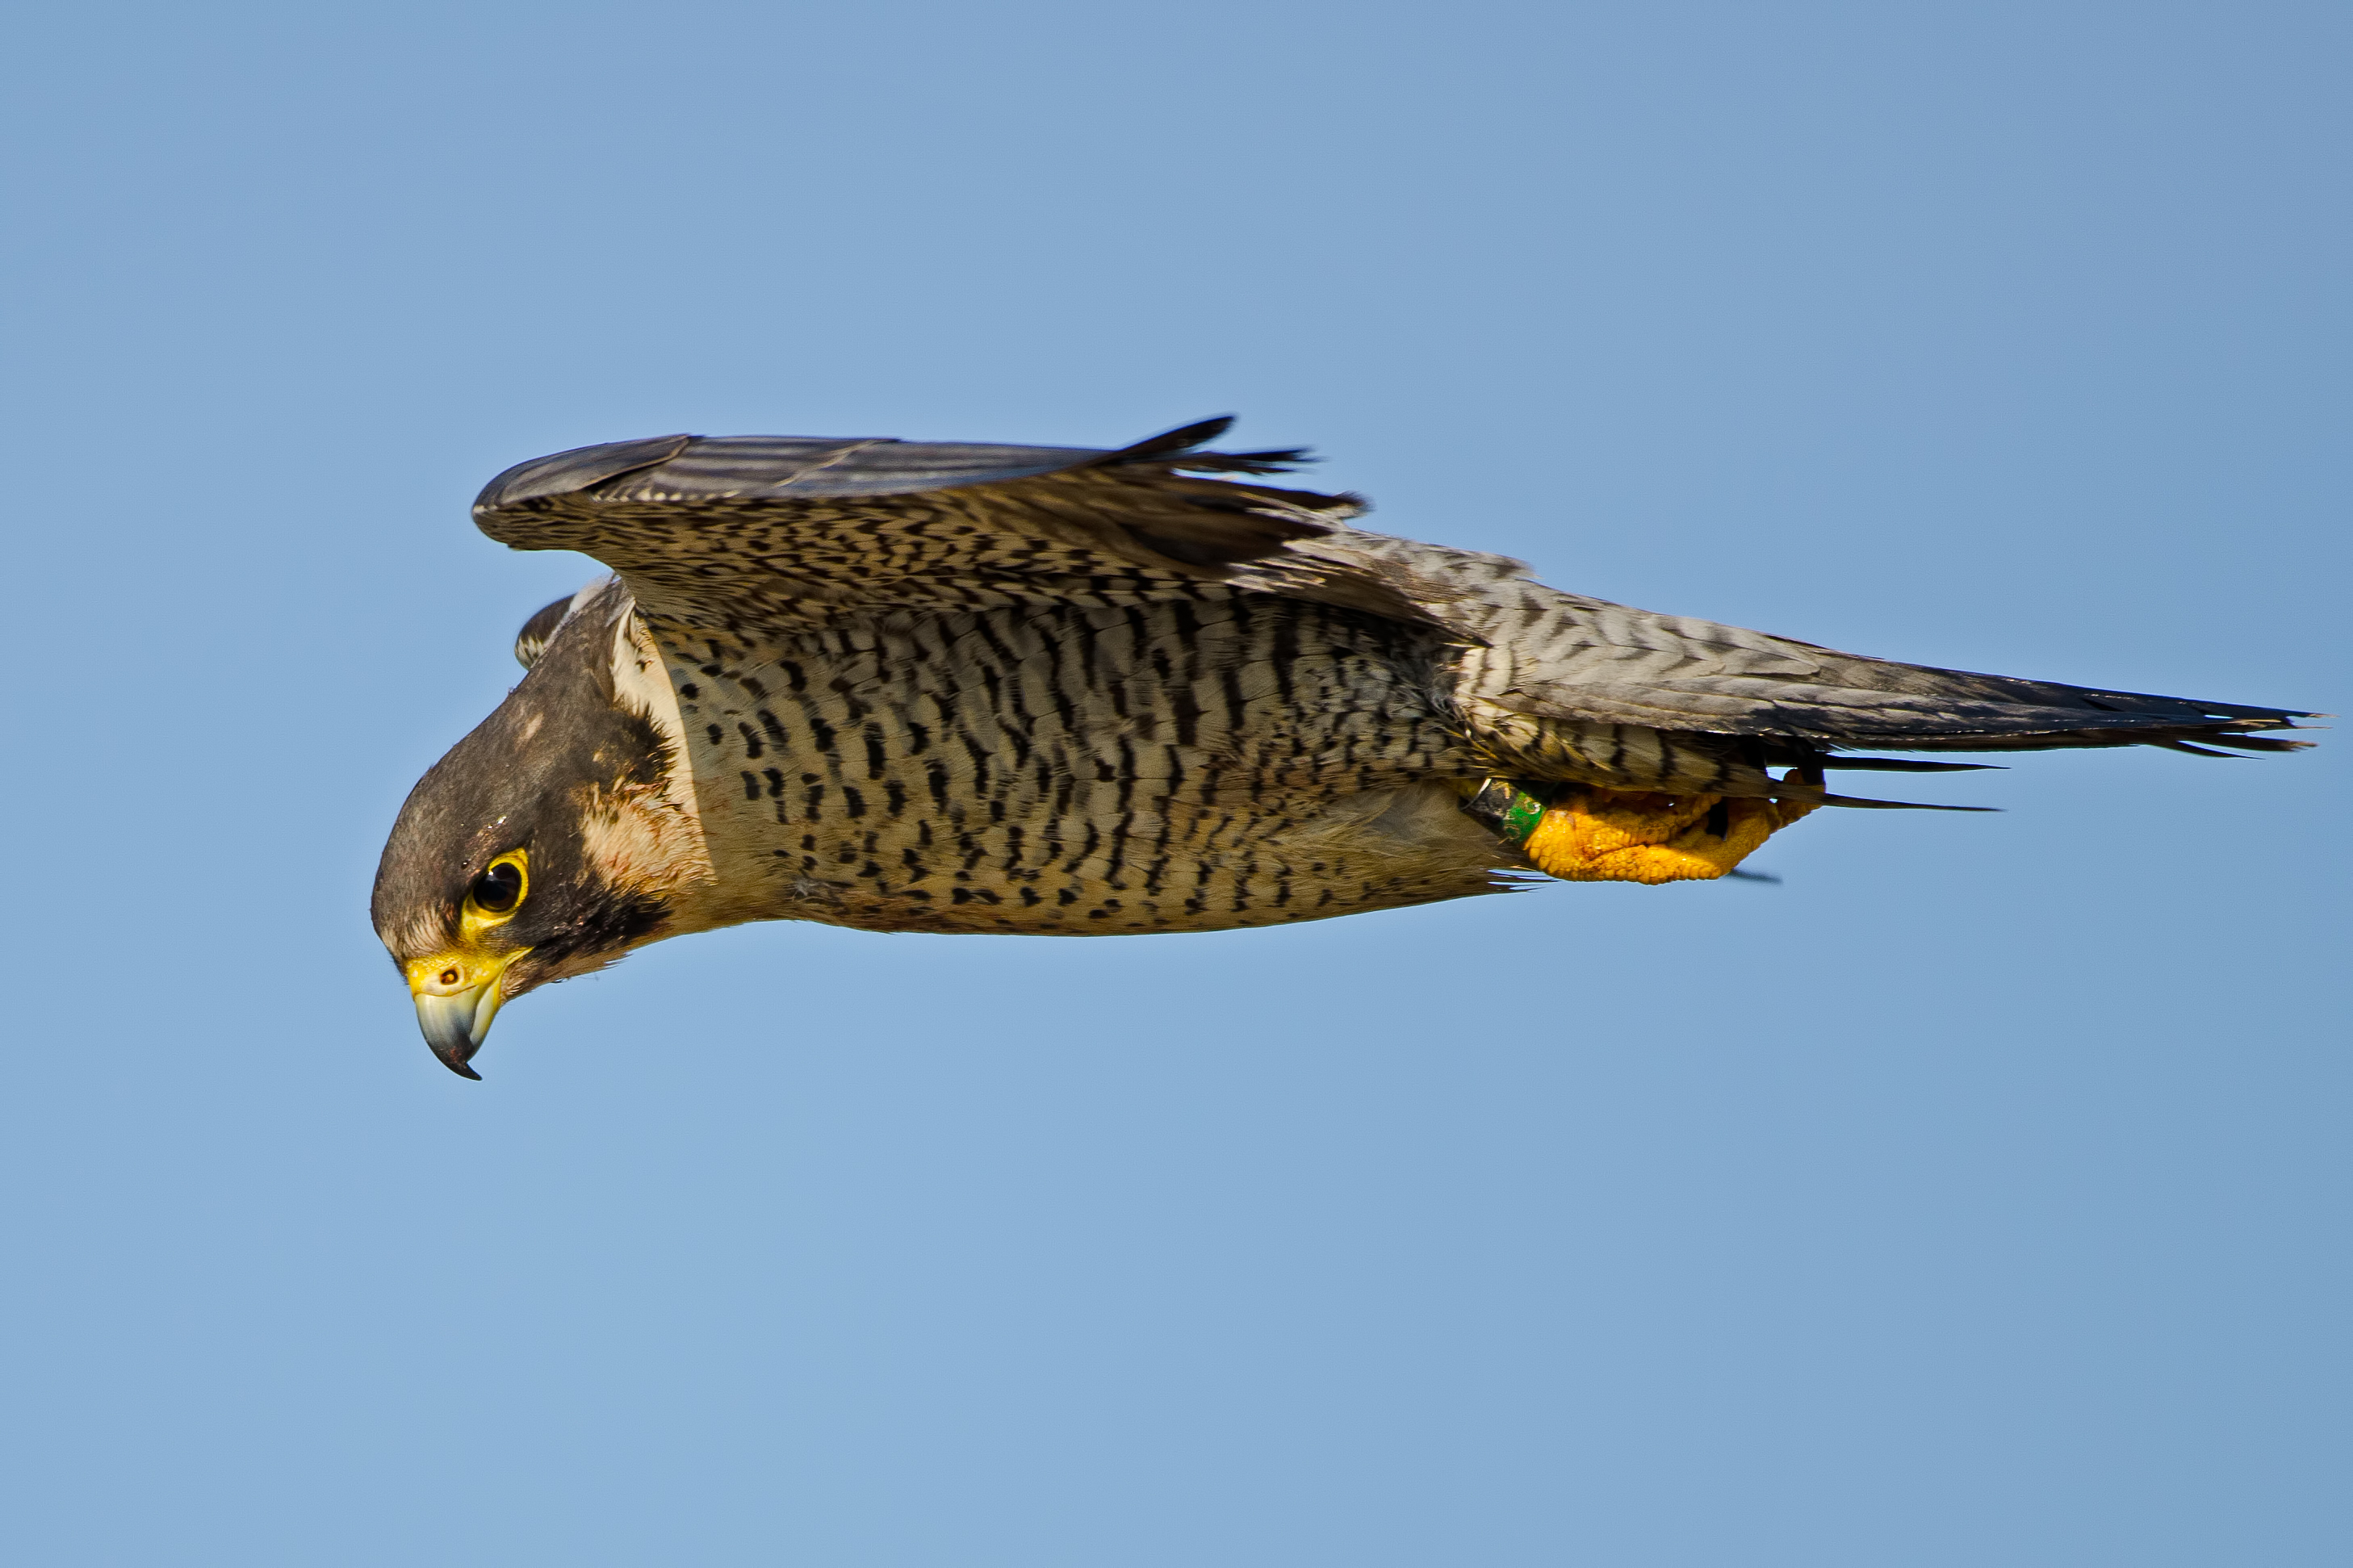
(499, 890)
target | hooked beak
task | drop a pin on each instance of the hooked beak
(455, 1025)
(456, 1017)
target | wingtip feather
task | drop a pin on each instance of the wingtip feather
(1169, 442)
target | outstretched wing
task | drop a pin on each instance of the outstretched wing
(735, 537)
(738, 535)
(1566, 659)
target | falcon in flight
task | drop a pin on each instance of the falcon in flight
(913, 686)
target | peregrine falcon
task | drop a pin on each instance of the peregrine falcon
(935, 687)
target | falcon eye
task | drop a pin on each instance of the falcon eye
(498, 891)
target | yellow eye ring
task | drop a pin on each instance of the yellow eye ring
(493, 897)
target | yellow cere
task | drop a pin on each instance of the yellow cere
(469, 964)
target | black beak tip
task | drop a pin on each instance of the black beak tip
(454, 1027)
(457, 1064)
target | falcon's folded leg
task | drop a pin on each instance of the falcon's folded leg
(1582, 834)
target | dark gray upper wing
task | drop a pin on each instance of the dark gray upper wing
(533, 640)
(738, 535)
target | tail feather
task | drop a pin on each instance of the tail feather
(1903, 765)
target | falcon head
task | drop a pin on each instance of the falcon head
(552, 840)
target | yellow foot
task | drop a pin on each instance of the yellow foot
(1588, 834)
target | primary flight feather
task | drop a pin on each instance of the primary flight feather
(918, 686)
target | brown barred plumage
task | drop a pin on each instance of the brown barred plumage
(1164, 766)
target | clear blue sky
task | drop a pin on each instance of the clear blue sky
(1977, 1196)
